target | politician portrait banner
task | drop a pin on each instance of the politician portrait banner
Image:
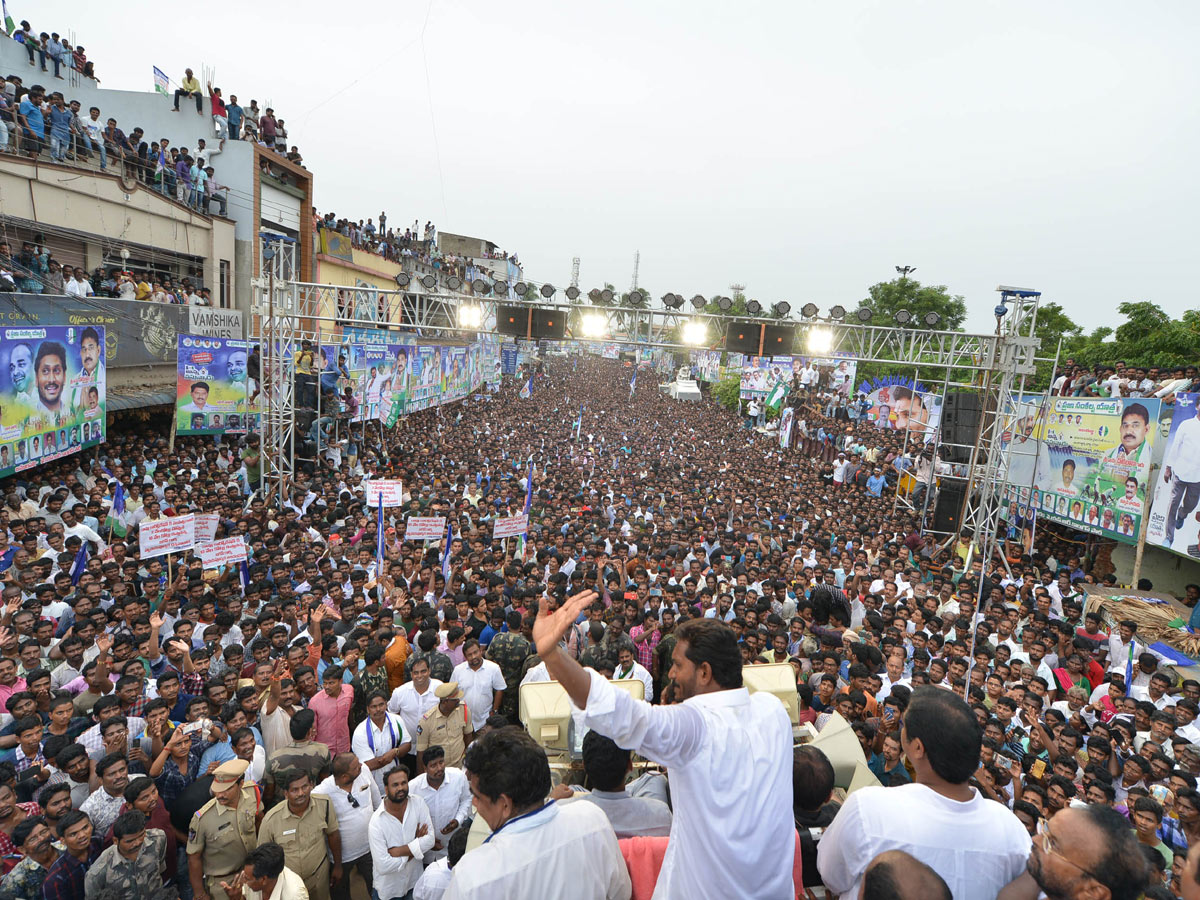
(1173, 524)
(52, 393)
(1085, 462)
(898, 403)
(211, 389)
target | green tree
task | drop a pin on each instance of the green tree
(1053, 323)
(1147, 337)
(888, 297)
(728, 391)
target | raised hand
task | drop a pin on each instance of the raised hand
(549, 627)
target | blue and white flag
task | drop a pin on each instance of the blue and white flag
(446, 552)
(579, 422)
(245, 573)
(529, 487)
(527, 391)
(632, 384)
(79, 566)
(379, 541)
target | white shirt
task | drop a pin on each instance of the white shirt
(1183, 455)
(289, 886)
(1119, 652)
(977, 847)
(369, 742)
(564, 851)
(449, 803)
(638, 671)
(732, 834)
(477, 686)
(410, 705)
(352, 820)
(433, 881)
(395, 876)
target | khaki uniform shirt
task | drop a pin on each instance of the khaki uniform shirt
(303, 838)
(223, 834)
(308, 756)
(448, 732)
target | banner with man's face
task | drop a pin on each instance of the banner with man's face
(52, 393)
(211, 387)
(1173, 521)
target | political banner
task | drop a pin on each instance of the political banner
(1173, 525)
(897, 403)
(761, 373)
(211, 387)
(610, 351)
(510, 527)
(1086, 462)
(425, 528)
(837, 373)
(222, 552)
(389, 492)
(52, 394)
(786, 420)
(167, 535)
(1018, 516)
(708, 365)
(393, 389)
(508, 359)
(206, 527)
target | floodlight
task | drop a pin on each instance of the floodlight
(699, 302)
(725, 303)
(809, 310)
(430, 281)
(454, 282)
(636, 297)
(672, 301)
(903, 317)
(819, 341)
(520, 288)
(606, 296)
(782, 308)
(403, 279)
(572, 293)
(547, 291)
(864, 313)
(470, 316)
(594, 325)
(933, 319)
(837, 312)
(479, 286)
(753, 307)
(500, 288)
(695, 332)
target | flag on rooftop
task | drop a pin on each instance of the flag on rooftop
(161, 82)
(9, 25)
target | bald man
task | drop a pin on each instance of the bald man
(894, 875)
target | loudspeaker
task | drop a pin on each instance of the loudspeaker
(840, 745)
(777, 341)
(742, 337)
(947, 512)
(549, 323)
(960, 418)
(512, 320)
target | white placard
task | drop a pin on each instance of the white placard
(222, 552)
(391, 492)
(162, 536)
(510, 527)
(425, 528)
(206, 527)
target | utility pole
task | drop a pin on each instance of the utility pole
(575, 271)
(637, 258)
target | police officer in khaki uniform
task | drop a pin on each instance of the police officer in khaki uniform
(223, 831)
(448, 725)
(305, 826)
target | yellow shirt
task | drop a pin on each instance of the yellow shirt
(191, 85)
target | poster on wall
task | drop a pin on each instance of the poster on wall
(898, 403)
(1085, 462)
(210, 386)
(1173, 524)
(761, 373)
(52, 393)
(1018, 516)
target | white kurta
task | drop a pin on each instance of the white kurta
(477, 686)
(977, 847)
(394, 876)
(448, 803)
(410, 705)
(565, 851)
(732, 835)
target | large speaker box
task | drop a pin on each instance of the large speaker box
(549, 324)
(960, 418)
(742, 337)
(948, 510)
(513, 320)
(777, 341)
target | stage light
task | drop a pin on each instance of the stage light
(470, 316)
(594, 325)
(500, 288)
(479, 286)
(699, 302)
(520, 288)
(819, 341)
(695, 332)
(782, 308)
(403, 279)
(672, 301)
(636, 297)
(572, 293)
(864, 313)
(454, 282)
(606, 296)
(933, 319)
(725, 303)
(547, 291)
(753, 307)
(808, 310)
(837, 312)
(430, 281)
(903, 317)
(594, 295)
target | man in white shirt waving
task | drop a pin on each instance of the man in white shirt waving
(977, 845)
(732, 833)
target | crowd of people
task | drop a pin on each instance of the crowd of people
(34, 270)
(348, 700)
(50, 50)
(1119, 380)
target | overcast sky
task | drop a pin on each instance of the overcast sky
(804, 149)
